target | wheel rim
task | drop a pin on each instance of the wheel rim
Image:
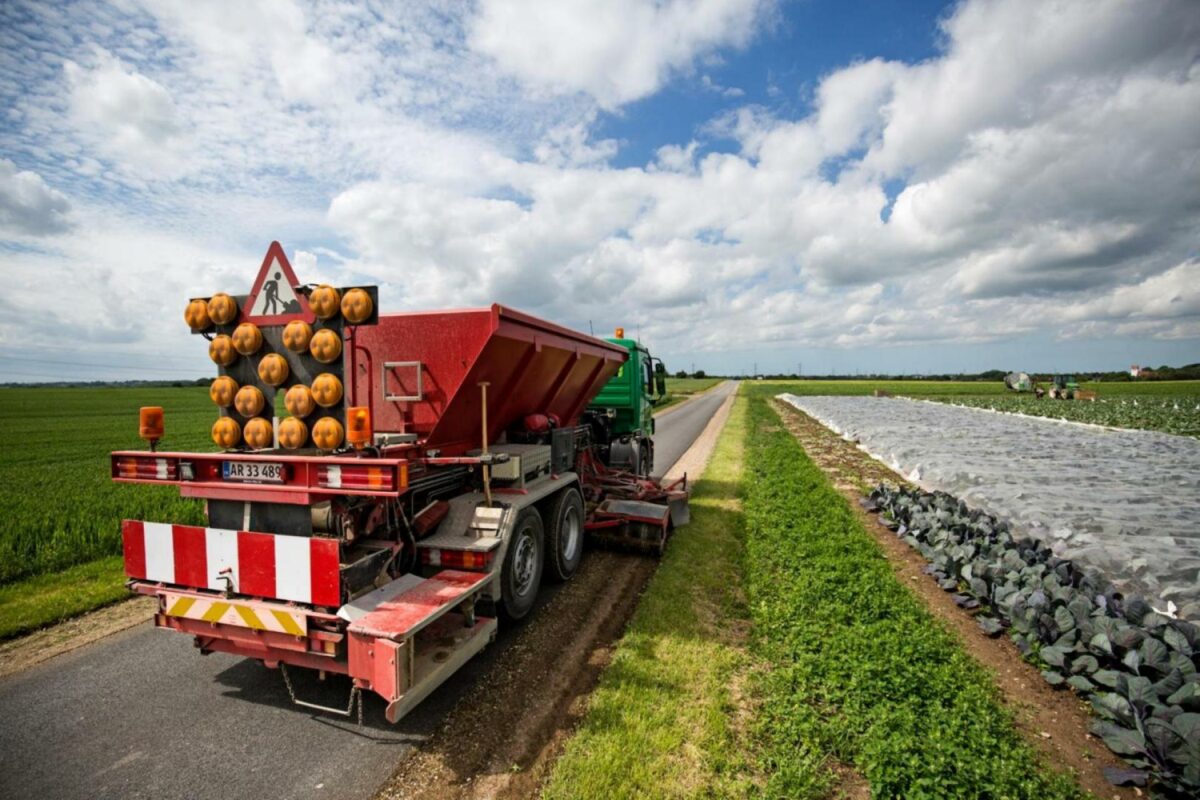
(570, 537)
(524, 564)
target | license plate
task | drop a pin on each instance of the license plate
(252, 471)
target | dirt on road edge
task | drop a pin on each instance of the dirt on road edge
(22, 653)
(537, 691)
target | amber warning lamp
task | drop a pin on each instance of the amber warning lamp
(150, 424)
(358, 426)
(620, 333)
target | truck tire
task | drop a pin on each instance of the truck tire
(564, 544)
(521, 574)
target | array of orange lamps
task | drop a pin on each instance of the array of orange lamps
(325, 345)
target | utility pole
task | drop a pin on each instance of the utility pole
(755, 374)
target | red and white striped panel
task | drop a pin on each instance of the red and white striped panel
(297, 568)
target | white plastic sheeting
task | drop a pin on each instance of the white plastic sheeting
(1126, 503)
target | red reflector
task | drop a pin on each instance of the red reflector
(456, 559)
(352, 476)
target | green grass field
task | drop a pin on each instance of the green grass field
(62, 514)
(680, 389)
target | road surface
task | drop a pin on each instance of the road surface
(141, 715)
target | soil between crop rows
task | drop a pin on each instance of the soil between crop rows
(1053, 721)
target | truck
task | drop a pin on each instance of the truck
(387, 487)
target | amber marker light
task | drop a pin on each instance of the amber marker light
(327, 433)
(196, 316)
(326, 346)
(247, 338)
(150, 424)
(324, 301)
(357, 306)
(222, 309)
(327, 390)
(297, 335)
(299, 402)
(249, 401)
(221, 351)
(226, 433)
(273, 369)
(293, 433)
(223, 390)
(258, 433)
(358, 426)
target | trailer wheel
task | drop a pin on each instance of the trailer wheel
(564, 545)
(522, 572)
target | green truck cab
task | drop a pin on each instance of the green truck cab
(622, 414)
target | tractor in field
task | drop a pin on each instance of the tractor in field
(386, 486)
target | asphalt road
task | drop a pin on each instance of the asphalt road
(141, 715)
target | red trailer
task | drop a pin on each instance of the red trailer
(433, 469)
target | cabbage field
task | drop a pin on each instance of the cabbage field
(1178, 414)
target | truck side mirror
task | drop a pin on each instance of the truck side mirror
(660, 383)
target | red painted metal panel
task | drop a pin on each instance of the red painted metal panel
(191, 556)
(532, 366)
(256, 564)
(325, 571)
(133, 544)
(397, 617)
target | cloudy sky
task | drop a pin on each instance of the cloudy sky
(902, 187)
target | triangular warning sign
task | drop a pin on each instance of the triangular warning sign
(275, 299)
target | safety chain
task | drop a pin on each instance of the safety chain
(355, 698)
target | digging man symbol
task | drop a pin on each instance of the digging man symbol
(271, 287)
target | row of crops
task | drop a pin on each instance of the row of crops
(1179, 415)
(860, 671)
(1138, 667)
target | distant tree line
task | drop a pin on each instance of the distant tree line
(1189, 372)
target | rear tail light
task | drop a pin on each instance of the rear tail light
(146, 468)
(457, 559)
(352, 476)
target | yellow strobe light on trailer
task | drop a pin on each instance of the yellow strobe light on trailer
(326, 346)
(325, 301)
(357, 306)
(226, 433)
(223, 390)
(299, 402)
(327, 390)
(258, 433)
(328, 433)
(297, 335)
(222, 309)
(292, 433)
(221, 350)
(249, 401)
(273, 369)
(247, 338)
(196, 316)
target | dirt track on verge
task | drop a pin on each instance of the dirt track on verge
(537, 690)
(1054, 721)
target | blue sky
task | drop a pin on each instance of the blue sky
(874, 186)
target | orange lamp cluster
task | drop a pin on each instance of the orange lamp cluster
(302, 401)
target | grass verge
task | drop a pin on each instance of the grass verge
(33, 603)
(860, 672)
(664, 720)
